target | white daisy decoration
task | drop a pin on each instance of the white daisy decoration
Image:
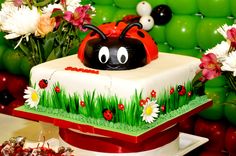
(230, 64)
(32, 97)
(150, 111)
(220, 50)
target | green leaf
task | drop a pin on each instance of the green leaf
(57, 13)
(56, 53)
(48, 46)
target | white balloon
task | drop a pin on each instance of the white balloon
(147, 21)
(143, 8)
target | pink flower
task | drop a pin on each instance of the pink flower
(231, 35)
(210, 67)
(18, 3)
(79, 17)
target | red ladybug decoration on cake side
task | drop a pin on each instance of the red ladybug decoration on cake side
(117, 46)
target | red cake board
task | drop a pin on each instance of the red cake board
(108, 133)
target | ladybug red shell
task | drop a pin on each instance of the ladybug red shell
(117, 46)
(107, 114)
(181, 90)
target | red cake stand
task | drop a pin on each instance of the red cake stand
(90, 140)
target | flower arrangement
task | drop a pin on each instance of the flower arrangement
(44, 29)
(220, 60)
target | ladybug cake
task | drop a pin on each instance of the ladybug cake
(117, 46)
(118, 95)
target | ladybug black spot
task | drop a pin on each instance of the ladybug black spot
(141, 34)
(93, 33)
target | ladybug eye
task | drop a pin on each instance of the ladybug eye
(103, 55)
(122, 55)
(143, 8)
(147, 22)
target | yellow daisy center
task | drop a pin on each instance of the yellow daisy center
(34, 96)
(148, 110)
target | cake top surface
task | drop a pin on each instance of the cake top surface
(161, 65)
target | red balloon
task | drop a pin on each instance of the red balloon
(211, 153)
(187, 126)
(213, 130)
(16, 85)
(3, 80)
(230, 140)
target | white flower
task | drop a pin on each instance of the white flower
(223, 30)
(220, 50)
(48, 9)
(72, 5)
(230, 63)
(150, 111)
(18, 21)
(32, 97)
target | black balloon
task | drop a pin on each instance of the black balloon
(161, 14)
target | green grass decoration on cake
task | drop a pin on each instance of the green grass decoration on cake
(93, 105)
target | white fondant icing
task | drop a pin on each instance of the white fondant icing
(162, 73)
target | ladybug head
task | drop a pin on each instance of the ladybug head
(114, 52)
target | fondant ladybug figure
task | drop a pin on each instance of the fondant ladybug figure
(117, 46)
(181, 90)
(43, 83)
(107, 114)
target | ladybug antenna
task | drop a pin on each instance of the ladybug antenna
(96, 29)
(128, 27)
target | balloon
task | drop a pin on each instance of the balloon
(214, 8)
(188, 52)
(233, 7)
(126, 4)
(207, 35)
(219, 81)
(163, 47)
(156, 2)
(216, 111)
(104, 13)
(143, 8)
(158, 33)
(161, 14)
(181, 31)
(120, 13)
(180, 6)
(103, 2)
(230, 108)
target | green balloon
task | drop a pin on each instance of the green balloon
(11, 60)
(181, 31)
(2, 50)
(155, 3)
(188, 52)
(163, 48)
(183, 6)
(158, 33)
(103, 2)
(233, 7)
(120, 13)
(206, 33)
(104, 13)
(126, 4)
(218, 96)
(230, 108)
(25, 66)
(219, 81)
(214, 8)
